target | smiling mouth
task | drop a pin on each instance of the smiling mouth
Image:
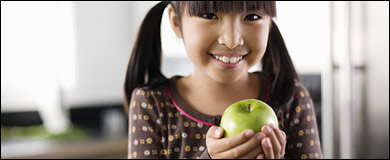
(228, 59)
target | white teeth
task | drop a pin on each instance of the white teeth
(233, 60)
(227, 59)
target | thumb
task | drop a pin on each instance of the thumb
(214, 132)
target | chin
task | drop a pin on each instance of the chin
(227, 77)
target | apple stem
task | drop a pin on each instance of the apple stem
(249, 107)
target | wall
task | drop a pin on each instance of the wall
(305, 29)
(105, 35)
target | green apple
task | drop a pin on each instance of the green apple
(247, 114)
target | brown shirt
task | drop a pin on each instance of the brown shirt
(161, 125)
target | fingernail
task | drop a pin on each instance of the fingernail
(273, 126)
(218, 132)
(260, 136)
(267, 142)
(249, 133)
(267, 129)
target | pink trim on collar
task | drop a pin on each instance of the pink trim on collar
(178, 108)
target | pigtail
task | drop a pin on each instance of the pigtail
(278, 64)
(144, 66)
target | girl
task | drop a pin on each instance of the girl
(179, 117)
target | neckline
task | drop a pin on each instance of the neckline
(205, 119)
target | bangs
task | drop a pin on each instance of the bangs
(200, 7)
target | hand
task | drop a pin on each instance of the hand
(244, 145)
(274, 144)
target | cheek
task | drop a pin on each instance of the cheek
(197, 41)
(258, 42)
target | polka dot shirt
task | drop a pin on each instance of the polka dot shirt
(161, 125)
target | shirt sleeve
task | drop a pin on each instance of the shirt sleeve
(145, 137)
(205, 155)
(302, 133)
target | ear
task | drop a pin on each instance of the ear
(174, 21)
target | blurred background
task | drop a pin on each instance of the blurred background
(63, 65)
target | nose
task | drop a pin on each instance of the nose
(231, 36)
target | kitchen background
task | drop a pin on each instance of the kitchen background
(63, 64)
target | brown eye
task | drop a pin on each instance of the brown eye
(209, 16)
(252, 17)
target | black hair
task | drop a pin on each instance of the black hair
(145, 62)
(279, 66)
(144, 66)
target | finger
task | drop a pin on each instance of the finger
(279, 134)
(244, 148)
(225, 144)
(267, 148)
(214, 132)
(282, 140)
(252, 154)
(279, 141)
(260, 156)
(276, 146)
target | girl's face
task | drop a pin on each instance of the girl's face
(223, 46)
